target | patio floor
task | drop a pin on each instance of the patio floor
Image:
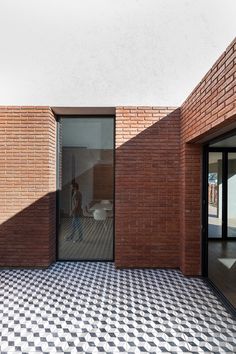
(92, 307)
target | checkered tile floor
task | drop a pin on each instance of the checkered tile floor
(93, 308)
(97, 243)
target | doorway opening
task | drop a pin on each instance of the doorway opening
(219, 216)
(85, 188)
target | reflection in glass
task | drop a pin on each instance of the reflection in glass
(222, 250)
(215, 195)
(231, 194)
(86, 192)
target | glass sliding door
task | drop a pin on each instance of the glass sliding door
(221, 230)
(215, 195)
(86, 148)
(231, 189)
(229, 255)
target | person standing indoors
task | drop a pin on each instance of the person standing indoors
(76, 213)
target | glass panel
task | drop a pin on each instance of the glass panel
(229, 254)
(215, 195)
(86, 192)
(232, 194)
(222, 251)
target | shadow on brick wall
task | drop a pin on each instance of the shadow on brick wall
(147, 189)
(28, 237)
(147, 204)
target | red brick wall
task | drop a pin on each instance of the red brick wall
(158, 177)
(147, 187)
(212, 104)
(210, 108)
(190, 209)
(27, 186)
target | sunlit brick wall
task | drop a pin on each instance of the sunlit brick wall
(209, 108)
(147, 187)
(27, 186)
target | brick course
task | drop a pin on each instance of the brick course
(27, 186)
(147, 187)
(210, 108)
(157, 177)
(212, 104)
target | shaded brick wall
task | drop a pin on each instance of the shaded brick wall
(190, 208)
(27, 186)
(147, 187)
(209, 108)
(158, 177)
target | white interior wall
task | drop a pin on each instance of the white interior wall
(232, 189)
(85, 159)
(92, 133)
(84, 139)
(217, 168)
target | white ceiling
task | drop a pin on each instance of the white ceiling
(227, 142)
(91, 133)
(109, 53)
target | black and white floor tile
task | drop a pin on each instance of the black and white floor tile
(94, 308)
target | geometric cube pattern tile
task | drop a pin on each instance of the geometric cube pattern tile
(86, 307)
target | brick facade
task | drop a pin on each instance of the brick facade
(210, 109)
(27, 186)
(169, 234)
(212, 104)
(157, 177)
(147, 187)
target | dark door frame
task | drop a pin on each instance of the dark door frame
(206, 151)
(225, 151)
(86, 113)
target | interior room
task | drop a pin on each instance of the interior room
(86, 189)
(222, 216)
